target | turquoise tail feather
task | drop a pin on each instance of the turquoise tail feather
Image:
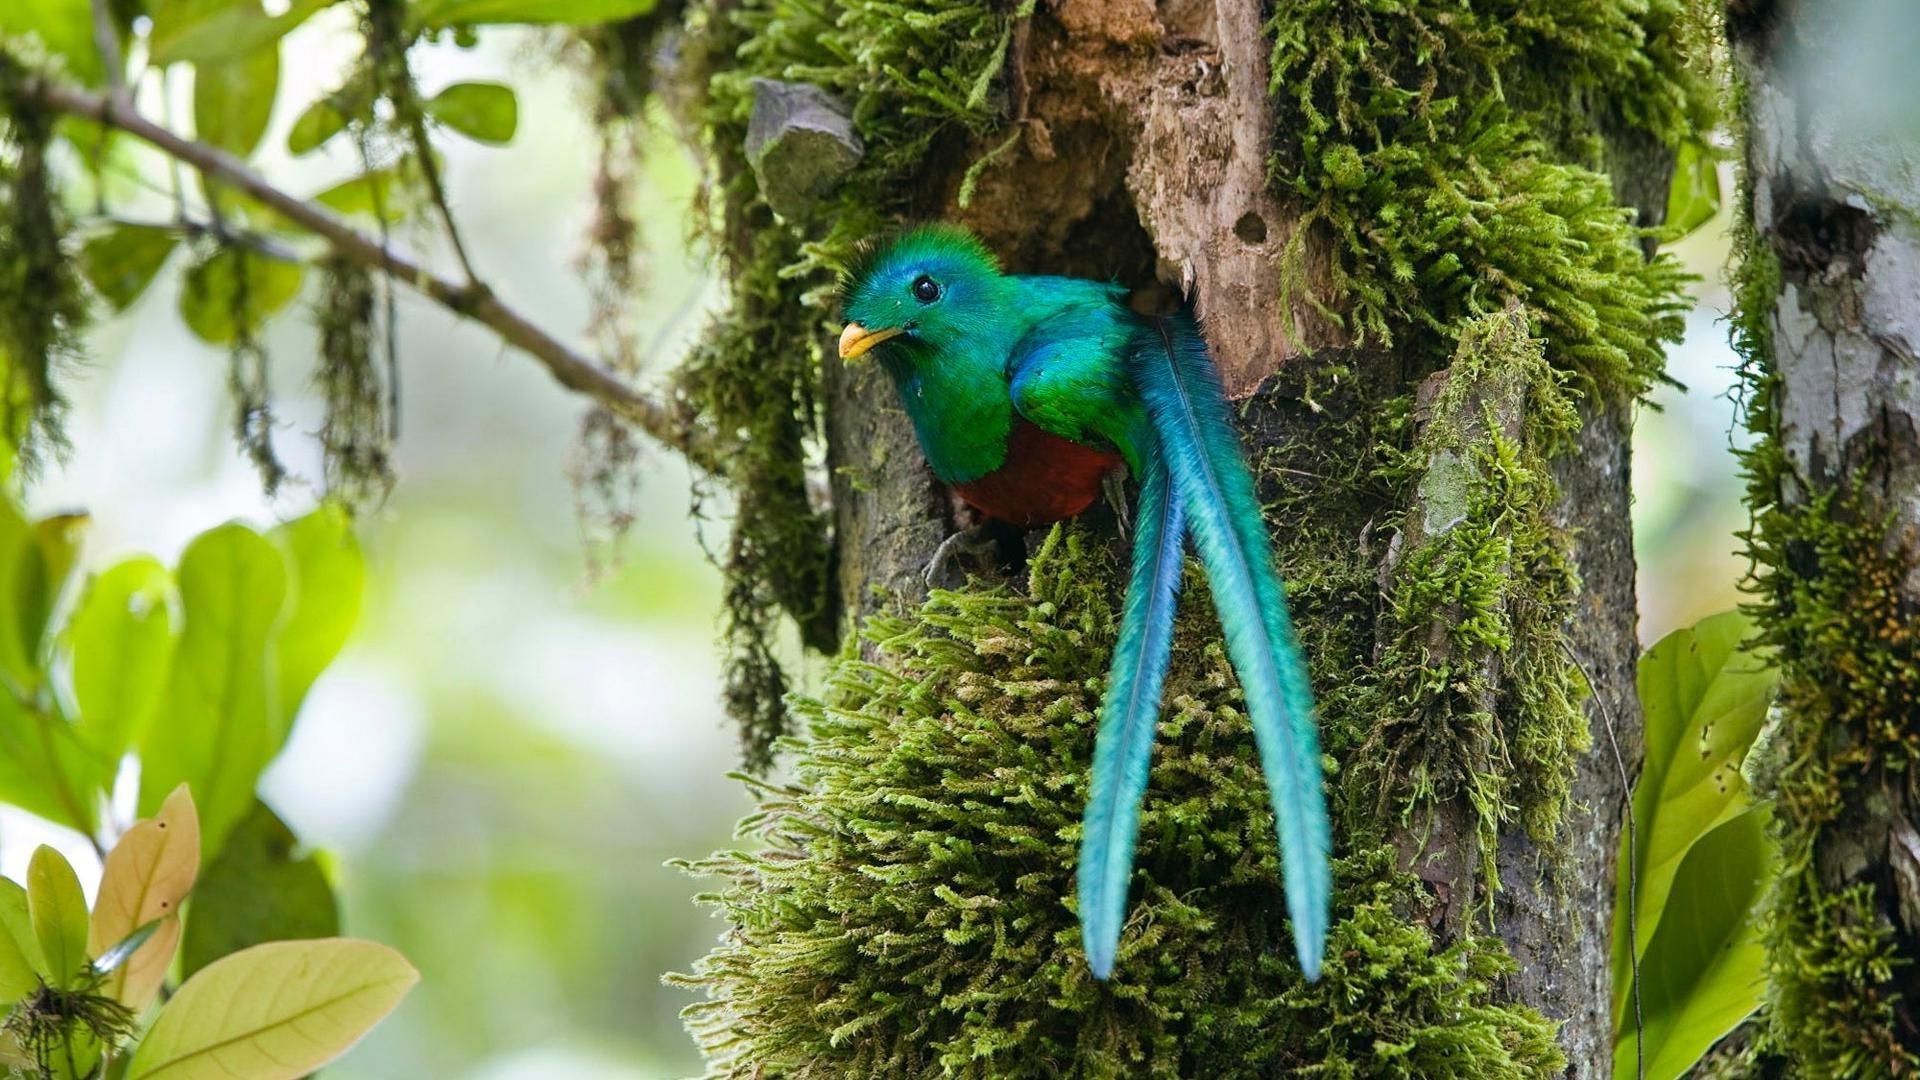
(1209, 474)
(1123, 749)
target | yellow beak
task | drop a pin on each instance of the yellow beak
(857, 339)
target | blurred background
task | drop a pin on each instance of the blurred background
(508, 754)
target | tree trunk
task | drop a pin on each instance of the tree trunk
(1829, 327)
(1447, 475)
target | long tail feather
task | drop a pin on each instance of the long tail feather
(1210, 480)
(1124, 747)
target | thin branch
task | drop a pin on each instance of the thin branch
(473, 300)
(437, 190)
(218, 229)
(107, 42)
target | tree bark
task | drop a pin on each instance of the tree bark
(1147, 137)
(1829, 323)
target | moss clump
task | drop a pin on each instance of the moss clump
(910, 912)
(913, 76)
(1831, 602)
(43, 305)
(1476, 697)
(1447, 154)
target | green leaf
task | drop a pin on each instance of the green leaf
(35, 560)
(1703, 973)
(21, 585)
(434, 14)
(218, 732)
(253, 283)
(488, 112)
(1693, 198)
(218, 31)
(328, 573)
(389, 191)
(20, 962)
(58, 910)
(121, 641)
(233, 99)
(46, 770)
(316, 124)
(257, 891)
(122, 261)
(63, 27)
(273, 1012)
(1705, 701)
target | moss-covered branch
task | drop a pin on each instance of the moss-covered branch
(37, 95)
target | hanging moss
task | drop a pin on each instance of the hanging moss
(43, 306)
(356, 436)
(910, 912)
(913, 75)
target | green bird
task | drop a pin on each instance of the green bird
(1025, 393)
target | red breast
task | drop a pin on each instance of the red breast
(1045, 478)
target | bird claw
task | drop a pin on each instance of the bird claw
(968, 541)
(1114, 484)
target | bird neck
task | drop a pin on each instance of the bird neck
(961, 410)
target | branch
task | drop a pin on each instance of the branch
(107, 43)
(473, 300)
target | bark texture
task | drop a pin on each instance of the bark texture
(1829, 322)
(910, 913)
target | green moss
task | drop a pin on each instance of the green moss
(908, 911)
(43, 305)
(1446, 155)
(1475, 697)
(1828, 581)
(915, 77)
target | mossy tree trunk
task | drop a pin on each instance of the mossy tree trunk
(1410, 232)
(1829, 327)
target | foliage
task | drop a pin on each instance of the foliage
(1692, 870)
(911, 910)
(74, 991)
(245, 263)
(199, 672)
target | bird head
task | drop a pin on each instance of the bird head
(926, 291)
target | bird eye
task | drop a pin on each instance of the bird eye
(925, 289)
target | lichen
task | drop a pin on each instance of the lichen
(1474, 696)
(907, 910)
(914, 77)
(1828, 580)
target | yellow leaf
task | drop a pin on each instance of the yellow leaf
(273, 1012)
(59, 912)
(147, 874)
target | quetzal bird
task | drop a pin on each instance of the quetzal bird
(1025, 392)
